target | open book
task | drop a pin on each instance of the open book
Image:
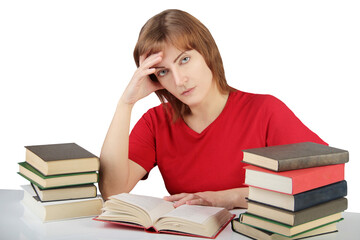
(156, 214)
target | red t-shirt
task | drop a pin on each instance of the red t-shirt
(211, 160)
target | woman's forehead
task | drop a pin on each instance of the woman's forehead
(163, 45)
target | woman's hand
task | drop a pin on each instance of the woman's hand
(140, 84)
(229, 199)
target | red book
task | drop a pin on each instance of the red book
(154, 230)
(294, 181)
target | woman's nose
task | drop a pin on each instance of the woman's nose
(179, 77)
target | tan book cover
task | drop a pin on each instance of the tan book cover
(299, 217)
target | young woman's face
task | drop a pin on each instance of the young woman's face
(185, 75)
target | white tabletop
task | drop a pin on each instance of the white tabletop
(17, 222)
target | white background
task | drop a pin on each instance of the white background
(65, 64)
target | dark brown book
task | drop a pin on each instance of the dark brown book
(53, 159)
(295, 156)
(299, 217)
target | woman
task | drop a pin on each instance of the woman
(196, 135)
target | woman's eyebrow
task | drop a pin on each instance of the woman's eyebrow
(174, 60)
(179, 56)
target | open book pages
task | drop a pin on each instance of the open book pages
(142, 210)
(160, 215)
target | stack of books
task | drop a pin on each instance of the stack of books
(295, 191)
(62, 178)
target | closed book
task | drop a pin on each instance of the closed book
(301, 200)
(295, 156)
(257, 233)
(60, 210)
(295, 181)
(62, 180)
(299, 217)
(66, 193)
(64, 158)
(287, 230)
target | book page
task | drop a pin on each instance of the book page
(194, 213)
(155, 207)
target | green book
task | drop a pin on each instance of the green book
(287, 230)
(256, 233)
(61, 180)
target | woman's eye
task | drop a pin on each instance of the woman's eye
(185, 59)
(162, 73)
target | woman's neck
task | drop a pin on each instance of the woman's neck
(204, 114)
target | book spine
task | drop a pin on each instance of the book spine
(323, 176)
(320, 195)
(313, 161)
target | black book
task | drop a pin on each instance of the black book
(301, 200)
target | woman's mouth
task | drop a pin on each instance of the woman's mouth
(187, 92)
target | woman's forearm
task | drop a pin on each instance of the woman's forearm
(114, 163)
(117, 172)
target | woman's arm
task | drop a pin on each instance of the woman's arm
(117, 173)
(230, 199)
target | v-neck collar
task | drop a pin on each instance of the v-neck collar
(203, 132)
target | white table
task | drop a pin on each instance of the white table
(17, 222)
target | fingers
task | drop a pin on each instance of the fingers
(149, 61)
(198, 201)
(186, 198)
(175, 197)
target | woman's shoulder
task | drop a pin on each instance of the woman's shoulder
(256, 99)
(158, 113)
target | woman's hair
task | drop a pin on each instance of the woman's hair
(184, 32)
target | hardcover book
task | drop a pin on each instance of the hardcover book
(157, 215)
(45, 182)
(64, 158)
(66, 193)
(301, 200)
(257, 233)
(295, 156)
(299, 217)
(287, 230)
(60, 210)
(294, 181)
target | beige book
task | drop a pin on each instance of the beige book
(60, 210)
(156, 214)
(66, 193)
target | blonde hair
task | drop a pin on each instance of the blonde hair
(184, 32)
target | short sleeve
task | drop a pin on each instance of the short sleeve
(284, 127)
(142, 143)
